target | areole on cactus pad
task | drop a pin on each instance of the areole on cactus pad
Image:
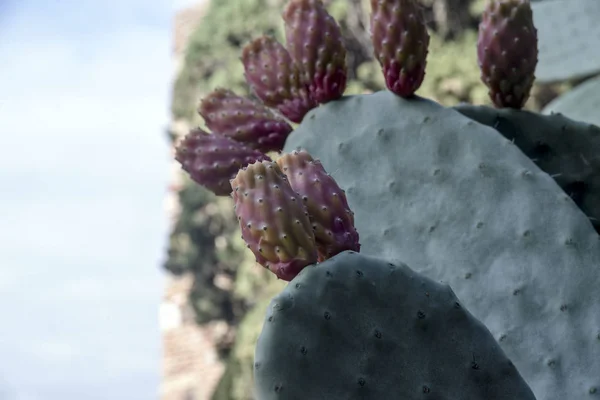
(459, 201)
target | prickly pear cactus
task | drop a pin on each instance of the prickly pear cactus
(358, 327)
(449, 196)
(461, 204)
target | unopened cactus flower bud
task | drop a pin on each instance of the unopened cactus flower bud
(507, 50)
(400, 42)
(273, 220)
(326, 203)
(244, 120)
(212, 160)
(274, 78)
(314, 41)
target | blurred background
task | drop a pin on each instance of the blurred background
(119, 277)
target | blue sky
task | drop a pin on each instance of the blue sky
(84, 99)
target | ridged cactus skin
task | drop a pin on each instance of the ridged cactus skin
(400, 42)
(567, 150)
(358, 327)
(275, 79)
(273, 220)
(314, 41)
(212, 160)
(328, 210)
(461, 204)
(244, 120)
(507, 51)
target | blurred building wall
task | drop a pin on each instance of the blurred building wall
(190, 366)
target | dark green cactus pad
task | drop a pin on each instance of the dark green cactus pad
(567, 150)
(582, 103)
(461, 204)
(568, 37)
(358, 327)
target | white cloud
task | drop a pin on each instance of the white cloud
(83, 170)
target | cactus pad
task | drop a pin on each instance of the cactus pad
(400, 41)
(357, 327)
(568, 33)
(212, 160)
(244, 120)
(567, 150)
(507, 51)
(273, 220)
(581, 103)
(325, 201)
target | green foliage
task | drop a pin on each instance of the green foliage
(452, 74)
(213, 52)
(237, 381)
(201, 243)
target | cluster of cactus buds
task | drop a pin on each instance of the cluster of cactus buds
(273, 221)
(311, 70)
(292, 213)
(290, 81)
(331, 217)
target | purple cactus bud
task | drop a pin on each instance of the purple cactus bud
(401, 42)
(507, 51)
(328, 210)
(314, 41)
(212, 160)
(273, 220)
(244, 120)
(274, 78)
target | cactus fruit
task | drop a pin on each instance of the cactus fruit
(244, 120)
(507, 51)
(273, 220)
(314, 41)
(328, 210)
(461, 204)
(275, 79)
(212, 160)
(358, 327)
(567, 150)
(400, 41)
